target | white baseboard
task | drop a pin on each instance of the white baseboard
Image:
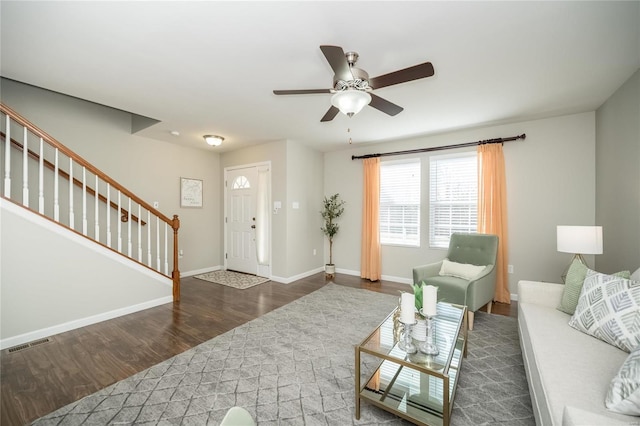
(199, 271)
(289, 280)
(82, 322)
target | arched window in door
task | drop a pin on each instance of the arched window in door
(241, 182)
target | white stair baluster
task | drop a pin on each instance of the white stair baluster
(56, 190)
(108, 215)
(166, 257)
(71, 214)
(158, 243)
(25, 170)
(149, 258)
(129, 245)
(119, 219)
(96, 198)
(7, 159)
(84, 201)
(41, 179)
(139, 234)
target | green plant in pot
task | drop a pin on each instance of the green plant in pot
(332, 209)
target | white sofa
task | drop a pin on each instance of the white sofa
(568, 371)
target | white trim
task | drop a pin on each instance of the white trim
(514, 296)
(83, 322)
(296, 277)
(199, 271)
(82, 240)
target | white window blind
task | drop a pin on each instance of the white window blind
(453, 197)
(400, 202)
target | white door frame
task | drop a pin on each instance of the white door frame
(263, 270)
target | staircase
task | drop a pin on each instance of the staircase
(43, 177)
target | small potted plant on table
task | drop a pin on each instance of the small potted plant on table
(332, 210)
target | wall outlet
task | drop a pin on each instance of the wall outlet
(180, 253)
(314, 252)
(510, 269)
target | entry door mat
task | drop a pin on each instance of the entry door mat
(232, 279)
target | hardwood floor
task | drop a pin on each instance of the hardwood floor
(43, 378)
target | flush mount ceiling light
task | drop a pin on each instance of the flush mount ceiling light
(350, 101)
(213, 140)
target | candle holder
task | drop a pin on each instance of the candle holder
(429, 346)
(406, 344)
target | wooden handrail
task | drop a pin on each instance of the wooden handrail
(78, 159)
(124, 214)
(174, 222)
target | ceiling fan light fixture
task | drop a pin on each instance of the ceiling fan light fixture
(350, 101)
(213, 140)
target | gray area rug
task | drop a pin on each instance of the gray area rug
(295, 366)
(232, 279)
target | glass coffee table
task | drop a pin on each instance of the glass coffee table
(417, 387)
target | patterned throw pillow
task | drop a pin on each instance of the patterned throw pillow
(624, 391)
(609, 309)
(573, 285)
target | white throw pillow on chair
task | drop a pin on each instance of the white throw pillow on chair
(466, 271)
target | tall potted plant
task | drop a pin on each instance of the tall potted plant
(332, 210)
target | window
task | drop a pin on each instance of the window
(400, 202)
(453, 197)
(241, 182)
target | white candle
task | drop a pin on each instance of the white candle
(429, 300)
(407, 308)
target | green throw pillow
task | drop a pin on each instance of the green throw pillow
(573, 285)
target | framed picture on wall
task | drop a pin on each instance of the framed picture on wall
(190, 192)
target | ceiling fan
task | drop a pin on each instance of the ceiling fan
(352, 87)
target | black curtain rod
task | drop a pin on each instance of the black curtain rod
(440, 148)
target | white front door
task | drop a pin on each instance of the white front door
(242, 193)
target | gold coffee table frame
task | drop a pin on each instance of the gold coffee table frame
(412, 386)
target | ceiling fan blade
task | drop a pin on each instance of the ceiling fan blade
(301, 92)
(384, 105)
(401, 76)
(337, 60)
(331, 114)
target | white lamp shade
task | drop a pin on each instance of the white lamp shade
(580, 239)
(213, 140)
(350, 101)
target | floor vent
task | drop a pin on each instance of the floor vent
(29, 345)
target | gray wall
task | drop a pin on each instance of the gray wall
(71, 282)
(618, 178)
(550, 182)
(305, 167)
(149, 168)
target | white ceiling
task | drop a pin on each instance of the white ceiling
(210, 67)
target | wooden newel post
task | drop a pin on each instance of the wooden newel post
(175, 274)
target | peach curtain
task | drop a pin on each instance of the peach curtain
(371, 263)
(492, 210)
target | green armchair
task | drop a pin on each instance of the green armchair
(475, 249)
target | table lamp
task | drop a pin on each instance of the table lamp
(579, 240)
